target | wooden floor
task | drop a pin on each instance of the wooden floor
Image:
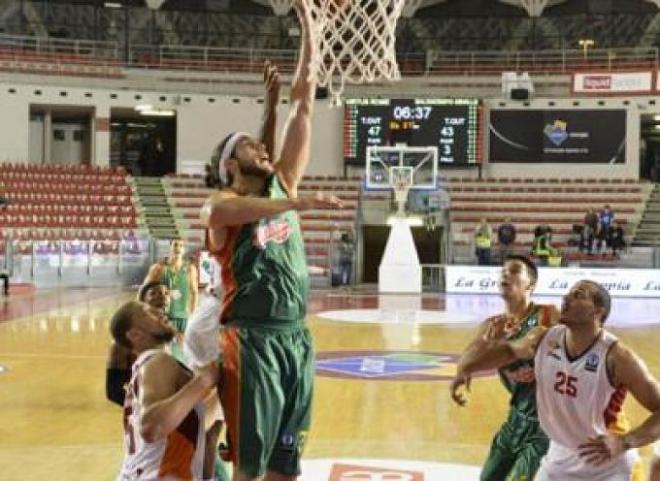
(55, 423)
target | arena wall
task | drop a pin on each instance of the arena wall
(202, 122)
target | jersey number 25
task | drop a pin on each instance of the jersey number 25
(566, 384)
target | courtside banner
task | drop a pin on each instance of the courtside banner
(556, 281)
(613, 83)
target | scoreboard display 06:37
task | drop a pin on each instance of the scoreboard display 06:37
(451, 125)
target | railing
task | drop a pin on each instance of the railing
(542, 61)
(22, 47)
(246, 60)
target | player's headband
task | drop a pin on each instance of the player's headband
(227, 147)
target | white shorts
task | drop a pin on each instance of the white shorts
(201, 341)
(564, 464)
(656, 449)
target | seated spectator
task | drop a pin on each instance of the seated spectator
(617, 239)
(3, 198)
(605, 222)
(483, 239)
(506, 236)
(589, 231)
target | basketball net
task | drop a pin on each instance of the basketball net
(355, 42)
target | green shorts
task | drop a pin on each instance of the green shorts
(266, 392)
(516, 451)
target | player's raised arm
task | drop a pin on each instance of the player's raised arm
(297, 131)
(272, 99)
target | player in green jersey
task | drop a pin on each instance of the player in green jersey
(253, 232)
(518, 447)
(180, 277)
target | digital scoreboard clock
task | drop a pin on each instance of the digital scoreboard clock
(451, 125)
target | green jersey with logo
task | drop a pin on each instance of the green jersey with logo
(518, 377)
(264, 269)
(178, 282)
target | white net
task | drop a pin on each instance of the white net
(355, 41)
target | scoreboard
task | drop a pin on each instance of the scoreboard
(451, 125)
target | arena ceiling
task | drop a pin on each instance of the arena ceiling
(450, 7)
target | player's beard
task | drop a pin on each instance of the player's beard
(164, 336)
(253, 170)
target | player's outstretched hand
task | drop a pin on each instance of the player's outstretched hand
(271, 83)
(458, 388)
(319, 201)
(209, 374)
(601, 449)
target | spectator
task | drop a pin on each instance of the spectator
(483, 239)
(617, 239)
(346, 259)
(541, 247)
(589, 231)
(506, 236)
(3, 198)
(605, 221)
(4, 275)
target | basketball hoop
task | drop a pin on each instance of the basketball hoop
(355, 42)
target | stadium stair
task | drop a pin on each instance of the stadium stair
(155, 206)
(648, 231)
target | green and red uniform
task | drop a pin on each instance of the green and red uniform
(268, 372)
(519, 445)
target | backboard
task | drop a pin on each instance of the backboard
(421, 163)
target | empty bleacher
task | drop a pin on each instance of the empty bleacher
(65, 202)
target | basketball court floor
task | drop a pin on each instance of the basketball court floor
(382, 402)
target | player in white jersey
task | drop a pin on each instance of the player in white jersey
(164, 433)
(582, 376)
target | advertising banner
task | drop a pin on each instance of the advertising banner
(555, 281)
(612, 83)
(558, 136)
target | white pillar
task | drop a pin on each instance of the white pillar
(48, 137)
(400, 270)
(101, 134)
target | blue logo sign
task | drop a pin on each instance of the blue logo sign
(556, 132)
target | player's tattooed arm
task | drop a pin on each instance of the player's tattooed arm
(491, 354)
(488, 331)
